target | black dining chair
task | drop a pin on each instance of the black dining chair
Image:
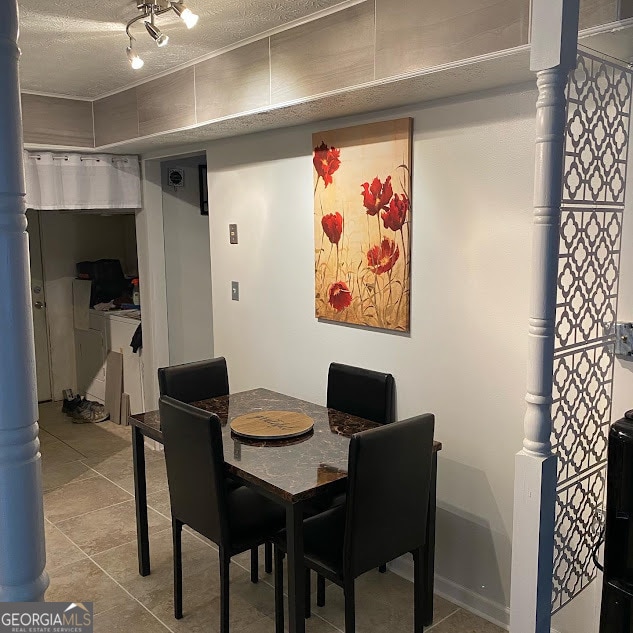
(236, 519)
(364, 393)
(195, 381)
(361, 392)
(389, 478)
(202, 380)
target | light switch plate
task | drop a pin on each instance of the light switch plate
(235, 290)
(233, 233)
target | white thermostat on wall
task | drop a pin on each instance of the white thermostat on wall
(176, 178)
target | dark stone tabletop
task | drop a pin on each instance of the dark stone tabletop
(293, 469)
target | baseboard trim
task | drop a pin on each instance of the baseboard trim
(466, 598)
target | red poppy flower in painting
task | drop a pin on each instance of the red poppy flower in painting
(382, 259)
(395, 216)
(376, 196)
(326, 161)
(340, 296)
(332, 224)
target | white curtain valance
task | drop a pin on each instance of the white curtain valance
(81, 181)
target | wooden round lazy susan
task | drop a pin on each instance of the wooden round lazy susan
(272, 425)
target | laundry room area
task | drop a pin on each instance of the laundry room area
(81, 213)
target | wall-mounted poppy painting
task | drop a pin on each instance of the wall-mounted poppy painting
(362, 224)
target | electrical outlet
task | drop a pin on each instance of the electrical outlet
(235, 290)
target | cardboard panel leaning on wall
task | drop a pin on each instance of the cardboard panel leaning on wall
(465, 358)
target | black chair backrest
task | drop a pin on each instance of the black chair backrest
(389, 474)
(195, 468)
(362, 392)
(195, 381)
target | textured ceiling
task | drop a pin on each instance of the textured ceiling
(77, 48)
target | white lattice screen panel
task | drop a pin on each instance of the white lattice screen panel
(593, 191)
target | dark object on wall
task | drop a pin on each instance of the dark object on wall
(176, 178)
(616, 615)
(137, 339)
(108, 280)
(204, 194)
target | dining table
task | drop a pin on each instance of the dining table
(294, 472)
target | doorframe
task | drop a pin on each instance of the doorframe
(150, 240)
(38, 214)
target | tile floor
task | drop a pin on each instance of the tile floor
(91, 551)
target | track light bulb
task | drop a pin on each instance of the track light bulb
(185, 14)
(157, 35)
(135, 61)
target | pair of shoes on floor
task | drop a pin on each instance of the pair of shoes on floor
(83, 411)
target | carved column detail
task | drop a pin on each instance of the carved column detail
(554, 37)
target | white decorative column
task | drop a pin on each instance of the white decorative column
(553, 55)
(22, 552)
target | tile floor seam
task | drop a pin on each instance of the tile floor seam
(83, 514)
(70, 461)
(59, 439)
(450, 615)
(106, 611)
(128, 593)
(116, 582)
(114, 483)
(69, 540)
(154, 532)
(102, 475)
(314, 614)
(78, 481)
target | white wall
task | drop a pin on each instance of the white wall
(465, 358)
(68, 238)
(151, 263)
(187, 267)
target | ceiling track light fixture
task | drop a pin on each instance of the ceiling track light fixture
(135, 61)
(155, 33)
(185, 14)
(148, 11)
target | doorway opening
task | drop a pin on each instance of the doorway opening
(72, 337)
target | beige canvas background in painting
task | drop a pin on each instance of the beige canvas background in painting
(375, 291)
